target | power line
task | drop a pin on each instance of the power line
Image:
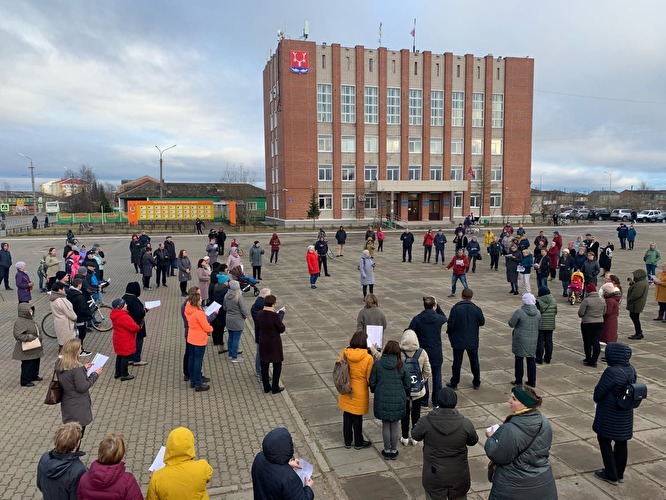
(599, 97)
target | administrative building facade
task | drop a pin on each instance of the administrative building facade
(379, 134)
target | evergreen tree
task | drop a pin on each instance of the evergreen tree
(313, 211)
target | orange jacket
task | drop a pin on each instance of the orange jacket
(313, 262)
(360, 366)
(198, 327)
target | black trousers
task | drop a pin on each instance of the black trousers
(183, 287)
(439, 252)
(4, 276)
(322, 262)
(427, 252)
(122, 364)
(615, 459)
(146, 281)
(531, 370)
(591, 335)
(277, 370)
(256, 272)
(161, 273)
(636, 320)
(82, 331)
(274, 253)
(29, 370)
(380, 246)
(473, 355)
(218, 334)
(352, 429)
(365, 289)
(545, 343)
(407, 251)
(494, 261)
(186, 361)
(414, 413)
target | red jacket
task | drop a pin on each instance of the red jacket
(428, 238)
(313, 262)
(457, 267)
(124, 332)
(275, 242)
(106, 482)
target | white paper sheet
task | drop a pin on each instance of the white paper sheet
(375, 335)
(98, 361)
(158, 463)
(305, 471)
(213, 308)
(152, 304)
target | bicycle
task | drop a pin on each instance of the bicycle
(101, 318)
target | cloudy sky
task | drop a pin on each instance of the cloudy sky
(101, 83)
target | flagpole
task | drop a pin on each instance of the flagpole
(414, 38)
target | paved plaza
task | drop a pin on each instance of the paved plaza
(230, 421)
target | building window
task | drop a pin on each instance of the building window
(457, 199)
(325, 143)
(325, 172)
(495, 200)
(457, 146)
(477, 109)
(414, 172)
(478, 72)
(496, 173)
(435, 173)
(436, 146)
(393, 106)
(393, 144)
(324, 102)
(371, 110)
(456, 172)
(371, 65)
(475, 200)
(477, 173)
(348, 202)
(415, 107)
(348, 63)
(458, 109)
(477, 146)
(251, 205)
(371, 201)
(348, 143)
(325, 202)
(436, 69)
(392, 173)
(415, 145)
(496, 147)
(348, 172)
(348, 104)
(323, 61)
(458, 71)
(370, 173)
(498, 110)
(416, 68)
(371, 144)
(393, 65)
(437, 108)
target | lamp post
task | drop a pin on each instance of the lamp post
(610, 187)
(32, 177)
(161, 181)
(541, 180)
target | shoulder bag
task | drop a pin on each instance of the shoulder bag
(492, 465)
(54, 393)
(33, 344)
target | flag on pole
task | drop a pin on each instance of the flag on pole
(413, 32)
(471, 173)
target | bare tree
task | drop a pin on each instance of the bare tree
(237, 174)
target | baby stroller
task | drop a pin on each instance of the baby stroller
(576, 287)
(246, 282)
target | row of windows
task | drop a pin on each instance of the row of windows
(370, 172)
(371, 106)
(415, 145)
(348, 201)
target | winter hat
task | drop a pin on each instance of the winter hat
(556, 232)
(20, 264)
(590, 287)
(528, 299)
(543, 290)
(447, 398)
(60, 275)
(118, 304)
(606, 288)
(222, 279)
(234, 285)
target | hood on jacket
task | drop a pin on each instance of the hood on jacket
(116, 313)
(530, 309)
(389, 361)
(639, 275)
(447, 398)
(618, 353)
(430, 316)
(134, 288)
(179, 446)
(102, 476)
(59, 463)
(355, 354)
(409, 341)
(234, 285)
(278, 447)
(543, 290)
(24, 309)
(55, 296)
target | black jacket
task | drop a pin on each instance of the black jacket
(428, 328)
(254, 310)
(463, 325)
(272, 476)
(407, 239)
(79, 304)
(135, 307)
(170, 247)
(58, 474)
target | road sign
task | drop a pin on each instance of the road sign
(4, 207)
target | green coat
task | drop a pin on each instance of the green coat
(652, 256)
(547, 306)
(25, 330)
(390, 388)
(638, 292)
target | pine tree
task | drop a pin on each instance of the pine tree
(313, 211)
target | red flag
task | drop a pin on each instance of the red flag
(413, 32)
(471, 173)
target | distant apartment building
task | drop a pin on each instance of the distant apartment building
(375, 133)
(62, 187)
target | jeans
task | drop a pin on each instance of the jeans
(636, 320)
(352, 429)
(121, 366)
(542, 280)
(591, 334)
(407, 251)
(531, 370)
(438, 252)
(427, 252)
(186, 360)
(234, 342)
(454, 280)
(41, 281)
(623, 243)
(365, 289)
(195, 364)
(631, 244)
(565, 287)
(274, 253)
(615, 460)
(436, 384)
(257, 363)
(545, 342)
(413, 411)
(313, 278)
(390, 435)
(651, 270)
(473, 355)
(277, 370)
(136, 357)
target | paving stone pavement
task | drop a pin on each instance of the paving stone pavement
(230, 420)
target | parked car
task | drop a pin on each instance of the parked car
(623, 214)
(648, 215)
(599, 214)
(583, 214)
(661, 217)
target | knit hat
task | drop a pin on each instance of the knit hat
(60, 275)
(528, 299)
(543, 290)
(590, 287)
(20, 264)
(118, 304)
(447, 398)
(234, 285)
(222, 279)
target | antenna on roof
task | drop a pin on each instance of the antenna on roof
(306, 29)
(380, 34)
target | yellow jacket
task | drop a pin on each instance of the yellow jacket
(488, 239)
(360, 366)
(660, 288)
(182, 477)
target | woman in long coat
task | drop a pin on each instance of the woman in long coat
(25, 330)
(203, 278)
(513, 258)
(184, 272)
(366, 267)
(147, 265)
(270, 343)
(135, 249)
(612, 295)
(525, 323)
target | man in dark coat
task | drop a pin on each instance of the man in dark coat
(440, 244)
(83, 313)
(170, 248)
(137, 311)
(270, 343)
(59, 470)
(463, 325)
(254, 310)
(407, 239)
(428, 328)
(273, 474)
(221, 237)
(322, 250)
(446, 434)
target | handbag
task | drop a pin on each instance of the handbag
(54, 392)
(33, 344)
(492, 466)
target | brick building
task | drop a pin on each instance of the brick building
(375, 133)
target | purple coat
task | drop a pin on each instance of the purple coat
(107, 482)
(23, 286)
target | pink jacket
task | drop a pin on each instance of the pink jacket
(108, 482)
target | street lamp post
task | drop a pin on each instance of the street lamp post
(161, 180)
(610, 187)
(541, 180)
(32, 177)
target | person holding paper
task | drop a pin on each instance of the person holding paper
(371, 314)
(273, 470)
(186, 357)
(234, 305)
(460, 264)
(124, 338)
(254, 312)
(76, 404)
(137, 311)
(270, 343)
(198, 330)
(182, 476)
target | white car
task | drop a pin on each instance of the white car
(648, 215)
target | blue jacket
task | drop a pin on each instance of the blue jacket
(527, 262)
(473, 249)
(439, 241)
(631, 234)
(463, 325)
(428, 328)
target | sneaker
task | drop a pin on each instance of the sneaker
(451, 295)
(201, 388)
(414, 442)
(237, 360)
(128, 377)
(404, 441)
(601, 474)
(205, 380)
(365, 444)
(85, 353)
(140, 363)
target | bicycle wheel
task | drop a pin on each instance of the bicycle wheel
(101, 319)
(48, 328)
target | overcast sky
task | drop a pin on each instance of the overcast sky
(101, 83)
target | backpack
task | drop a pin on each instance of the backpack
(41, 270)
(632, 396)
(413, 369)
(341, 377)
